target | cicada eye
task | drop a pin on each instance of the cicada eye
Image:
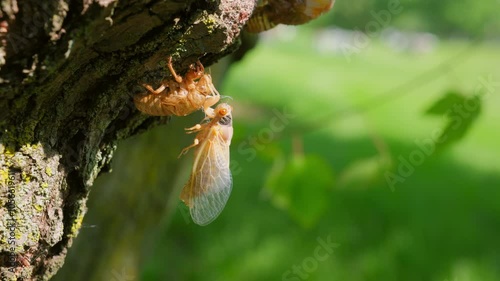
(222, 112)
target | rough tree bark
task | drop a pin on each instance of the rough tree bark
(68, 72)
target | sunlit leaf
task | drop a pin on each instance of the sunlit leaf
(364, 173)
(302, 186)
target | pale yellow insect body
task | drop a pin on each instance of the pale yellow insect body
(210, 183)
(180, 96)
(290, 12)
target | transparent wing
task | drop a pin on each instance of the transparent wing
(210, 184)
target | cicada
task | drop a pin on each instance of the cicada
(210, 183)
(290, 12)
(181, 96)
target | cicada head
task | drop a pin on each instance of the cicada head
(223, 110)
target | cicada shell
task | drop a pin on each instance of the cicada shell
(290, 12)
(181, 96)
(210, 183)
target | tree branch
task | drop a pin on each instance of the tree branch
(69, 71)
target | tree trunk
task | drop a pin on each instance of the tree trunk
(69, 71)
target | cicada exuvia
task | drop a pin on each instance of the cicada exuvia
(179, 96)
(291, 12)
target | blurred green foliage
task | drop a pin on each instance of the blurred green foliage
(301, 186)
(440, 223)
(445, 17)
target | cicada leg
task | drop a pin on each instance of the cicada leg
(171, 68)
(153, 91)
(186, 149)
(212, 99)
(210, 94)
(209, 113)
(194, 129)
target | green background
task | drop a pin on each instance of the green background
(323, 175)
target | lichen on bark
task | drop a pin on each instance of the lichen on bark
(68, 71)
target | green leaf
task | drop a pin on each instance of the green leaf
(301, 186)
(365, 172)
(460, 121)
(461, 112)
(443, 105)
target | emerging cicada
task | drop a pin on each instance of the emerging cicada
(180, 97)
(291, 12)
(210, 183)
